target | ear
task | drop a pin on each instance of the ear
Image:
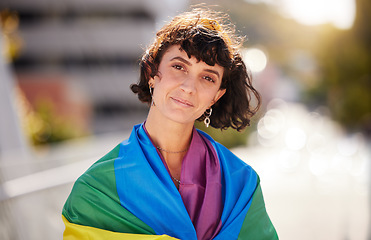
(218, 95)
(152, 81)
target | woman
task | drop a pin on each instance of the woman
(169, 180)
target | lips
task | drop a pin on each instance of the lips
(182, 102)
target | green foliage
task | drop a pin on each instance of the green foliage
(341, 75)
(229, 138)
(45, 126)
(345, 86)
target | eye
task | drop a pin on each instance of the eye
(178, 67)
(208, 78)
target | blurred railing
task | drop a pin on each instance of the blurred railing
(31, 204)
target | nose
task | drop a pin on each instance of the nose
(189, 84)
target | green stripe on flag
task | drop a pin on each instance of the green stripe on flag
(257, 225)
(94, 200)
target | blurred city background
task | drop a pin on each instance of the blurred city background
(65, 71)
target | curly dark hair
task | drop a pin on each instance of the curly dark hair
(201, 33)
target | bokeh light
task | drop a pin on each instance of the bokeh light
(255, 59)
(341, 13)
(295, 138)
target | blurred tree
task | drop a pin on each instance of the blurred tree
(264, 27)
(340, 75)
(345, 63)
(9, 23)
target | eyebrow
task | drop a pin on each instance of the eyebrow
(182, 60)
(213, 71)
(190, 64)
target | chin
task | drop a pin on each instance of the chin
(182, 120)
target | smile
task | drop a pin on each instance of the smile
(182, 102)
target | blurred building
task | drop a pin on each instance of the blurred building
(87, 52)
(79, 56)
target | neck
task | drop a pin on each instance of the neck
(168, 135)
(172, 137)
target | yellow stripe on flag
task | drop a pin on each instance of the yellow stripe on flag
(80, 232)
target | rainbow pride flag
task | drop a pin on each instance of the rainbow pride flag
(128, 194)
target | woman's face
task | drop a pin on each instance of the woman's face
(184, 87)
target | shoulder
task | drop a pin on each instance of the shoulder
(95, 186)
(98, 175)
(228, 160)
(222, 151)
(103, 164)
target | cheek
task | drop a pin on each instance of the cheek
(207, 98)
(175, 75)
(164, 86)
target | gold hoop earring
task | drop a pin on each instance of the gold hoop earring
(207, 118)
